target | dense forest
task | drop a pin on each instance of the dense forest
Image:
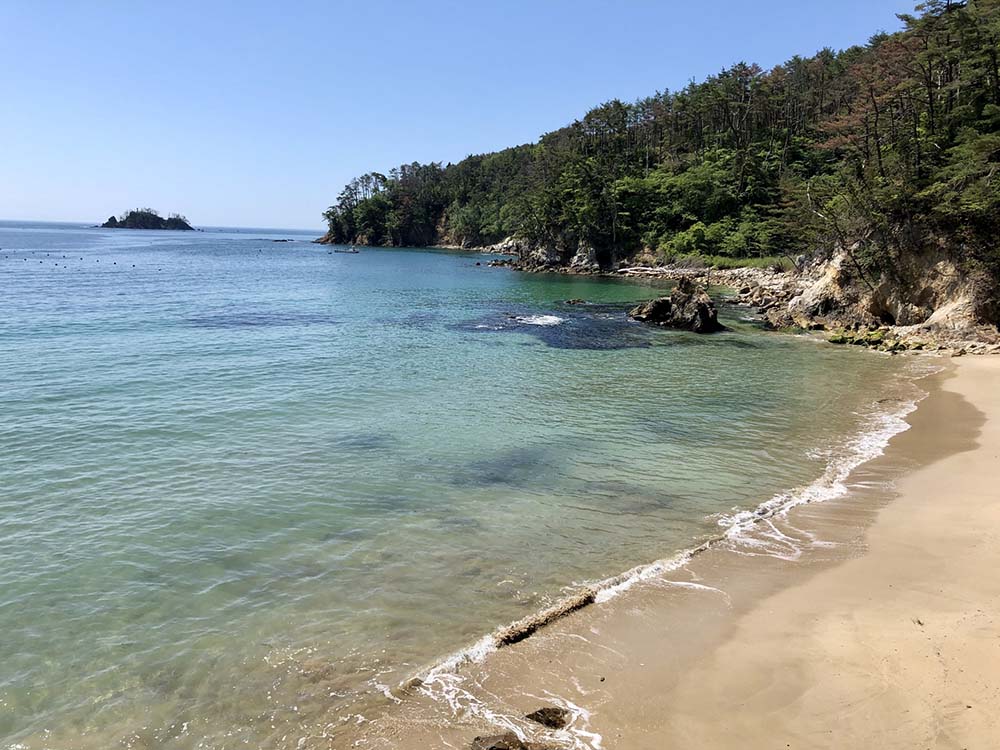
(146, 218)
(882, 148)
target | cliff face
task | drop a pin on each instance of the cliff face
(578, 258)
(928, 290)
(927, 296)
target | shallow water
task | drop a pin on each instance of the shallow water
(247, 484)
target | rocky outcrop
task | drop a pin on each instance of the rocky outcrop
(687, 308)
(929, 302)
(935, 293)
(552, 717)
(585, 259)
(542, 258)
(508, 741)
(508, 246)
(580, 258)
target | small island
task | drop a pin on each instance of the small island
(146, 218)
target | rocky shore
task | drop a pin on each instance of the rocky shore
(929, 304)
(942, 311)
(932, 305)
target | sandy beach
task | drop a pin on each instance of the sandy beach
(870, 620)
(898, 648)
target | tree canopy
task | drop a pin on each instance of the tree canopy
(885, 146)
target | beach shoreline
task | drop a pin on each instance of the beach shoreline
(894, 648)
(811, 632)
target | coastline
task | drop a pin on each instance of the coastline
(817, 294)
(815, 629)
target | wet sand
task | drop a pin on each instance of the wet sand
(871, 620)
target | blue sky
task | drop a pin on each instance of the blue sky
(257, 113)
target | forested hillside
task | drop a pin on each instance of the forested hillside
(883, 148)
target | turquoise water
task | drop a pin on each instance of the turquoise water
(246, 484)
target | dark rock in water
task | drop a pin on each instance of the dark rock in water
(508, 741)
(576, 301)
(521, 466)
(523, 628)
(551, 717)
(688, 308)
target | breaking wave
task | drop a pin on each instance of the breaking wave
(540, 320)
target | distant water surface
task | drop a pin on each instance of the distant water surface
(244, 484)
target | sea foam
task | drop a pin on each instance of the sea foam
(540, 320)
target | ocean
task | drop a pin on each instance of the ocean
(247, 487)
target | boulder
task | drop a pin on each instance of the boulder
(551, 717)
(541, 257)
(687, 308)
(508, 741)
(584, 260)
(508, 246)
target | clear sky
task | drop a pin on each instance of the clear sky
(256, 113)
